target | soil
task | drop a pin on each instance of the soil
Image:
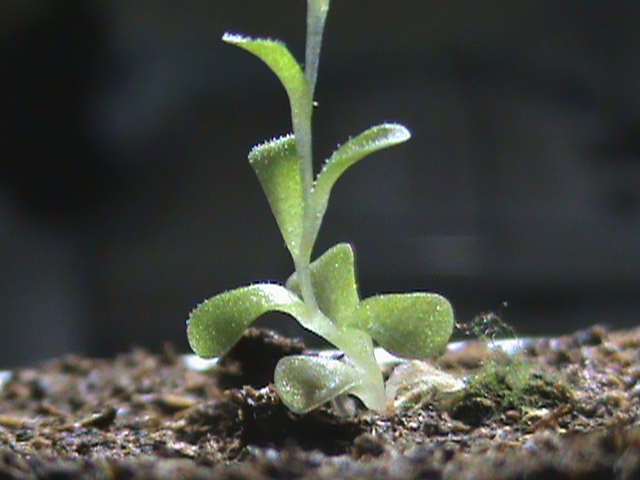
(562, 409)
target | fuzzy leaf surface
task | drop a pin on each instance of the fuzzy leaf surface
(304, 382)
(217, 324)
(277, 165)
(411, 325)
(334, 282)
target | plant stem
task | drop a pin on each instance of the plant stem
(306, 287)
(316, 15)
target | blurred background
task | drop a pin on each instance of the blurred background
(126, 197)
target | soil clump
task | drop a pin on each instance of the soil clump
(567, 408)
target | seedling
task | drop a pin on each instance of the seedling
(322, 294)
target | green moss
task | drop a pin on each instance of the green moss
(509, 383)
(506, 382)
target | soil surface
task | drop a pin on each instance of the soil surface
(562, 409)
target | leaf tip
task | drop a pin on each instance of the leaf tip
(282, 144)
(240, 40)
(397, 133)
(234, 38)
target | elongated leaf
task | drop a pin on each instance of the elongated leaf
(334, 282)
(280, 60)
(374, 139)
(277, 166)
(217, 324)
(412, 325)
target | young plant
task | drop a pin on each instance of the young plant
(321, 295)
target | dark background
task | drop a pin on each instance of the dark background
(126, 197)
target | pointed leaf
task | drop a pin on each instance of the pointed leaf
(305, 383)
(217, 324)
(277, 166)
(412, 325)
(280, 60)
(334, 282)
(374, 139)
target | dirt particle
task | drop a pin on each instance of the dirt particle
(266, 422)
(253, 359)
(102, 420)
(588, 427)
(367, 445)
(473, 410)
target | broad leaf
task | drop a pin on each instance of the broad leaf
(334, 282)
(277, 166)
(305, 382)
(411, 325)
(217, 324)
(280, 60)
(374, 139)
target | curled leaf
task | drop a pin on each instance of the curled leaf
(277, 165)
(217, 324)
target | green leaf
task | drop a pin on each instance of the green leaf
(277, 165)
(217, 324)
(333, 281)
(374, 139)
(305, 382)
(280, 60)
(412, 325)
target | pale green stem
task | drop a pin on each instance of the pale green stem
(359, 348)
(316, 15)
(306, 287)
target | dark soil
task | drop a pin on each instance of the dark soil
(566, 409)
